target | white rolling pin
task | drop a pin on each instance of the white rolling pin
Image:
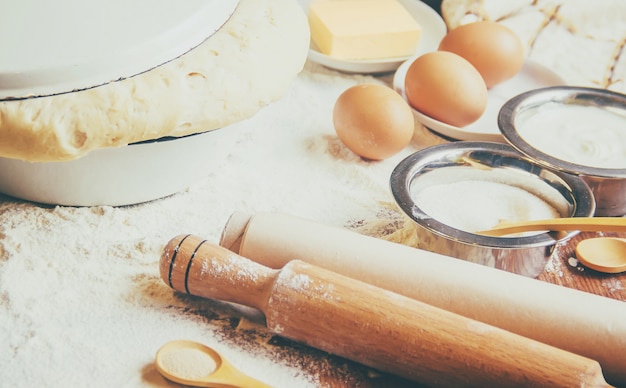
(576, 321)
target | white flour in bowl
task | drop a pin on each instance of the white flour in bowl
(585, 135)
(479, 205)
(472, 199)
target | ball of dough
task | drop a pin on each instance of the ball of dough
(245, 65)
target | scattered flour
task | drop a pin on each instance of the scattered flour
(573, 262)
(613, 285)
(553, 266)
(81, 300)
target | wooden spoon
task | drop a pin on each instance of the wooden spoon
(603, 254)
(195, 364)
(583, 224)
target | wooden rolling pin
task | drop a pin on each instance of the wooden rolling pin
(373, 326)
(573, 320)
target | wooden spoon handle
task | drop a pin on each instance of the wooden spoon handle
(583, 224)
(229, 376)
(373, 326)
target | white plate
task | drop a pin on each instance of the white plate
(433, 30)
(531, 76)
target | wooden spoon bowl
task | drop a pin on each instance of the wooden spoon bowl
(603, 254)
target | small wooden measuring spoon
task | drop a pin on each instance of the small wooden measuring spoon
(195, 364)
(603, 254)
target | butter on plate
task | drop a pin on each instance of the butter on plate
(363, 29)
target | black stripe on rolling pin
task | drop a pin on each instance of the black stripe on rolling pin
(189, 264)
(169, 275)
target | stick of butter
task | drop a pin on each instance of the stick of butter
(363, 29)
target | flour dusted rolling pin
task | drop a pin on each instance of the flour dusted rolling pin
(573, 320)
(370, 325)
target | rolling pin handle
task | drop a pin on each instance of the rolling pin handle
(191, 265)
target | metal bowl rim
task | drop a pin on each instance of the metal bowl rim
(560, 94)
(404, 173)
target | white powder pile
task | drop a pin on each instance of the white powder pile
(81, 300)
(473, 199)
(188, 363)
(585, 135)
(471, 205)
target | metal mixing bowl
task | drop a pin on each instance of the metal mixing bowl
(608, 184)
(526, 255)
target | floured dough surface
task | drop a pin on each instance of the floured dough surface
(247, 64)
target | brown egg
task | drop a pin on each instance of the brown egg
(446, 87)
(494, 49)
(373, 121)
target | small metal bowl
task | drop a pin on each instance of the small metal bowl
(526, 255)
(608, 184)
